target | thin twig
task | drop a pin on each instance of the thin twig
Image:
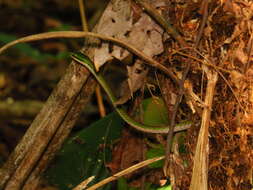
(125, 172)
(173, 119)
(180, 96)
(204, 7)
(79, 34)
(170, 30)
(160, 20)
(98, 93)
(83, 16)
(201, 61)
(100, 102)
(84, 184)
(173, 32)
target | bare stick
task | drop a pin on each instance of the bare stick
(100, 102)
(61, 134)
(204, 7)
(200, 167)
(84, 184)
(83, 16)
(125, 172)
(43, 128)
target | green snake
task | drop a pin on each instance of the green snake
(85, 61)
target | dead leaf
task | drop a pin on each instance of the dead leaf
(136, 79)
(125, 93)
(239, 53)
(128, 152)
(117, 22)
(137, 76)
(237, 79)
(243, 14)
(146, 36)
(247, 119)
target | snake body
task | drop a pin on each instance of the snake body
(85, 61)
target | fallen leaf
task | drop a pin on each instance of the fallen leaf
(117, 21)
(237, 79)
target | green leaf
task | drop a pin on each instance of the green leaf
(122, 184)
(85, 154)
(156, 152)
(155, 112)
(167, 187)
(62, 55)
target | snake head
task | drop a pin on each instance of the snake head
(84, 60)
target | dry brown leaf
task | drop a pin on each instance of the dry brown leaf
(247, 119)
(116, 21)
(237, 79)
(145, 35)
(128, 151)
(243, 14)
(239, 54)
(136, 78)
